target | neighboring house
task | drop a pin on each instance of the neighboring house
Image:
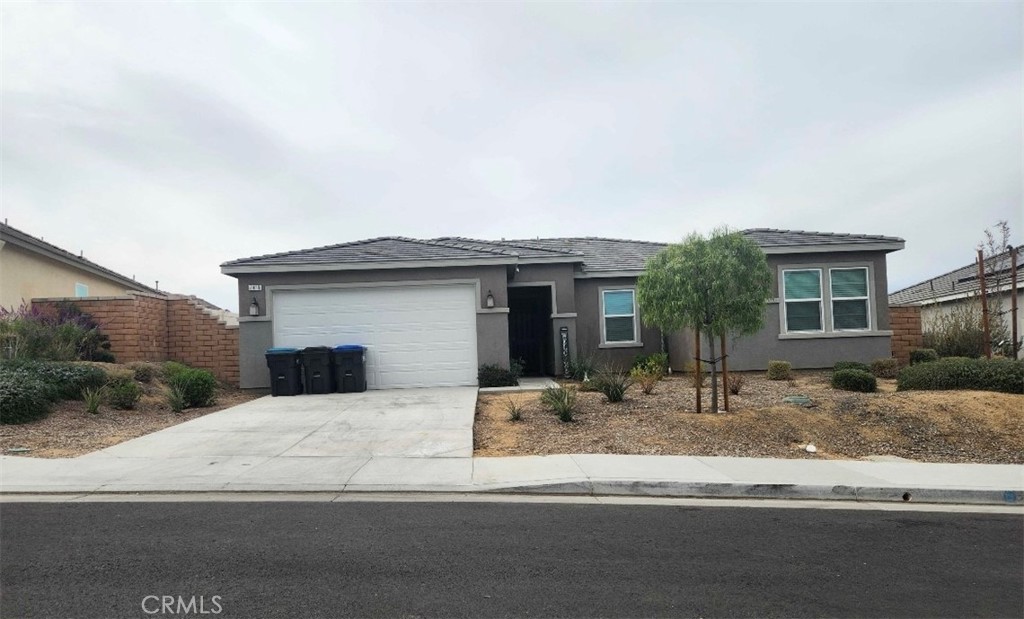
(940, 295)
(432, 311)
(32, 268)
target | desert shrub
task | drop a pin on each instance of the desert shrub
(647, 376)
(657, 361)
(198, 387)
(176, 399)
(23, 397)
(886, 367)
(93, 397)
(493, 375)
(560, 400)
(123, 392)
(143, 371)
(581, 369)
(514, 410)
(923, 355)
(1005, 375)
(851, 365)
(780, 370)
(854, 380)
(64, 381)
(736, 383)
(61, 332)
(957, 332)
(170, 369)
(613, 384)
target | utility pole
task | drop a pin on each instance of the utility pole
(1013, 300)
(984, 306)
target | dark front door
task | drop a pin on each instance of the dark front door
(529, 328)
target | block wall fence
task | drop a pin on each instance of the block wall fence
(144, 327)
(906, 331)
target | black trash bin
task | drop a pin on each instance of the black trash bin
(285, 376)
(350, 368)
(316, 370)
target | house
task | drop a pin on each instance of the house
(430, 311)
(940, 295)
(32, 268)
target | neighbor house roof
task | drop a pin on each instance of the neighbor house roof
(957, 283)
(36, 245)
(596, 255)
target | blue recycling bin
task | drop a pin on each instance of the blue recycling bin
(350, 368)
(285, 371)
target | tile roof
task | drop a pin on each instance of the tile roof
(596, 254)
(957, 282)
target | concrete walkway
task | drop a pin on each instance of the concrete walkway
(421, 441)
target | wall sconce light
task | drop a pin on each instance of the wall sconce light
(254, 308)
(490, 299)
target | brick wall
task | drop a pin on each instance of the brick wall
(906, 331)
(144, 327)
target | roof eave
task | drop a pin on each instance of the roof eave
(245, 269)
(827, 248)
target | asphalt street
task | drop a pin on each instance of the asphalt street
(502, 559)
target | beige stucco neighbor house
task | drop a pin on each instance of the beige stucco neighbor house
(32, 268)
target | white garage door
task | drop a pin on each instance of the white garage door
(416, 336)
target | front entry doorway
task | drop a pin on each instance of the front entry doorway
(529, 329)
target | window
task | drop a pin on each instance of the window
(849, 299)
(618, 308)
(81, 290)
(802, 294)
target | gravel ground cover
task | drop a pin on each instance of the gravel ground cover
(935, 426)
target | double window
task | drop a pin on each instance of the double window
(618, 316)
(805, 300)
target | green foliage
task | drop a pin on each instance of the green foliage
(886, 367)
(176, 399)
(613, 384)
(51, 333)
(64, 381)
(93, 397)
(560, 400)
(493, 375)
(170, 369)
(1005, 375)
(23, 397)
(780, 370)
(143, 371)
(851, 365)
(198, 387)
(923, 355)
(656, 361)
(956, 331)
(854, 380)
(123, 392)
(647, 376)
(736, 383)
(582, 368)
(514, 410)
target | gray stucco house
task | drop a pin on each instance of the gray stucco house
(431, 311)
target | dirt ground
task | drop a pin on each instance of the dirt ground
(928, 426)
(70, 431)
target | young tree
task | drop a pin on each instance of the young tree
(996, 251)
(718, 285)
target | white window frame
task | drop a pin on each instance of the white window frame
(83, 287)
(636, 323)
(820, 299)
(832, 298)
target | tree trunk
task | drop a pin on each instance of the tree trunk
(714, 372)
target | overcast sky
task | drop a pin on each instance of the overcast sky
(164, 139)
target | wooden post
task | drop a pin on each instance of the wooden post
(725, 375)
(697, 370)
(1013, 299)
(984, 306)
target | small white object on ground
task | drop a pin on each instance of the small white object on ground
(811, 448)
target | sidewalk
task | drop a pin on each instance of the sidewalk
(667, 476)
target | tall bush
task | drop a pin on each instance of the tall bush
(54, 333)
(956, 331)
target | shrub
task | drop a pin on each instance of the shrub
(655, 361)
(54, 333)
(1004, 375)
(123, 392)
(176, 399)
(923, 355)
(612, 384)
(493, 375)
(886, 367)
(93, 397)
(143, 372)
(64, 381)
(514, 409)
(23, 398)
(736, 383)
(170, 369)
(198, 387)
(854, 380)
(647, 376)
(581, 369)
(779, 370)
(560, 400)
(957, 332)
(851, 365)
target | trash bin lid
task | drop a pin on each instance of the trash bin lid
(282, 350)
(317, 349)
(348, 347)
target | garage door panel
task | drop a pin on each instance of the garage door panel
(415, 336)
